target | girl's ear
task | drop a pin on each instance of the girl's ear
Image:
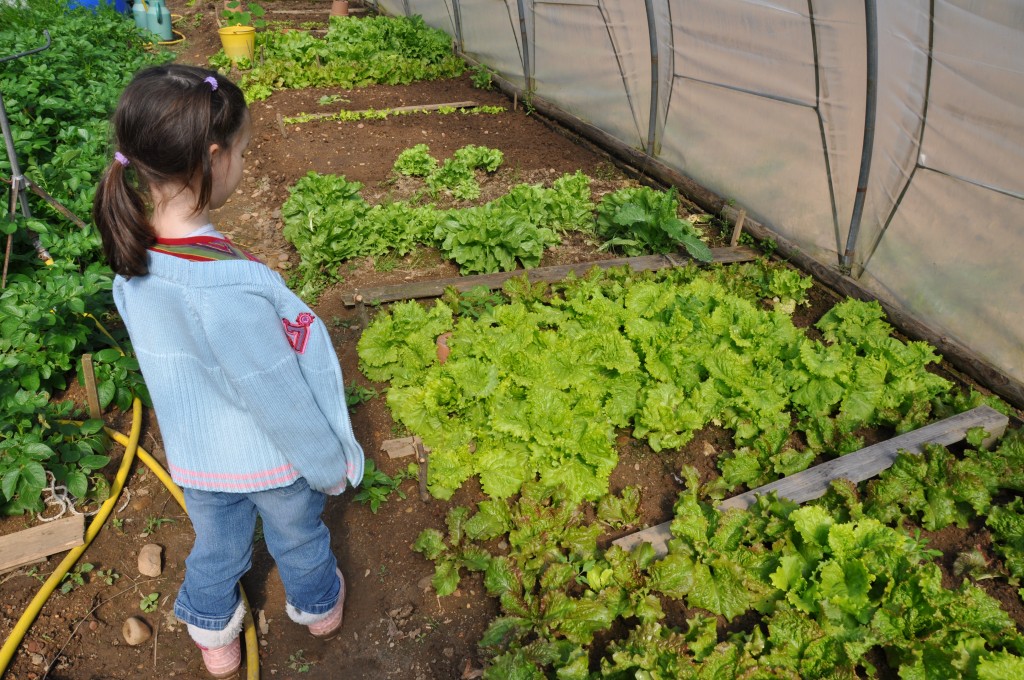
(214, 148)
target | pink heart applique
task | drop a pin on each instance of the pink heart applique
(298, 331)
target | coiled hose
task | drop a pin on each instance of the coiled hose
(131, 445)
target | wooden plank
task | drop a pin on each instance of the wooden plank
(32, 545)
(351, 10)
(400, 448)
(91, 394)
(435, 287)
(397, 109)
(868, 462)
(737, 228)
(857, 466)
(424, 107)
(421, 458)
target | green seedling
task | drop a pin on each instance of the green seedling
(108, 576)
(357, 394)
(75, 577)
(377, 486)
(481, 77)
(917, 545)
(473, 302)
(154, 523)
(331, 99)
(299, 663)
(386, 263)
(149, 603)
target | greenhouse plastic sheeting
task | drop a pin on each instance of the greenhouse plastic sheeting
(766, 103)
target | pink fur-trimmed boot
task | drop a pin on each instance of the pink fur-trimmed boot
(222, 649)
(223, 662)
(324, 626)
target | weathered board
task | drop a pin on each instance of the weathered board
(91, 393)
(32, 545)
(400, 448)
(398, 109)
(857, 466)
(435, 287)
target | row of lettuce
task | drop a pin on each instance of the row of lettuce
(353, 53)
(329, 222)
(834, 589)
(532, 399)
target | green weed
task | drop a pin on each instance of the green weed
(108, 576)
(356, 394)
(377, 486)
(298, 662)
(75, 577)
(154, 523)
(481, 77)
(150, 603)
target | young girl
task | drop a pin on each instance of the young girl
(243, 377)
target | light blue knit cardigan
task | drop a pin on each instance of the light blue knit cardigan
(249, 394)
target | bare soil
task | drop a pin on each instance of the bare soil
(395, 627)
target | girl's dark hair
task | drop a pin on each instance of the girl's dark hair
(163, 126)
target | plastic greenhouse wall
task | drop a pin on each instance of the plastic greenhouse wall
(884, 140)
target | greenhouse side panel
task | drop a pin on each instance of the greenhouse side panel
(598, 72)
(742, 116)
(491, 35)
(975, 122)
(760, 153)
(902, 84)
(946, 261)
(437, 13)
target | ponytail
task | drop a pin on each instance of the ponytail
(119, 211)
(166, 121)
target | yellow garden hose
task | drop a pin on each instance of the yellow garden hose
(36, 605)
(131, 444)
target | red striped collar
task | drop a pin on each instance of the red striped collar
(201, 249)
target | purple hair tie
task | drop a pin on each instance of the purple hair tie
(120, 158)
(212, 81)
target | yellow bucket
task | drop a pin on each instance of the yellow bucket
(239, 42)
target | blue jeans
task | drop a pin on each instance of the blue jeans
(224, 524)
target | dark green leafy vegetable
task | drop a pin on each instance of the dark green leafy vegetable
(638, 220)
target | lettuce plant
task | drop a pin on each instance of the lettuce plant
(639, 220)
(416, 161)
(487, 239)
(456, 176)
